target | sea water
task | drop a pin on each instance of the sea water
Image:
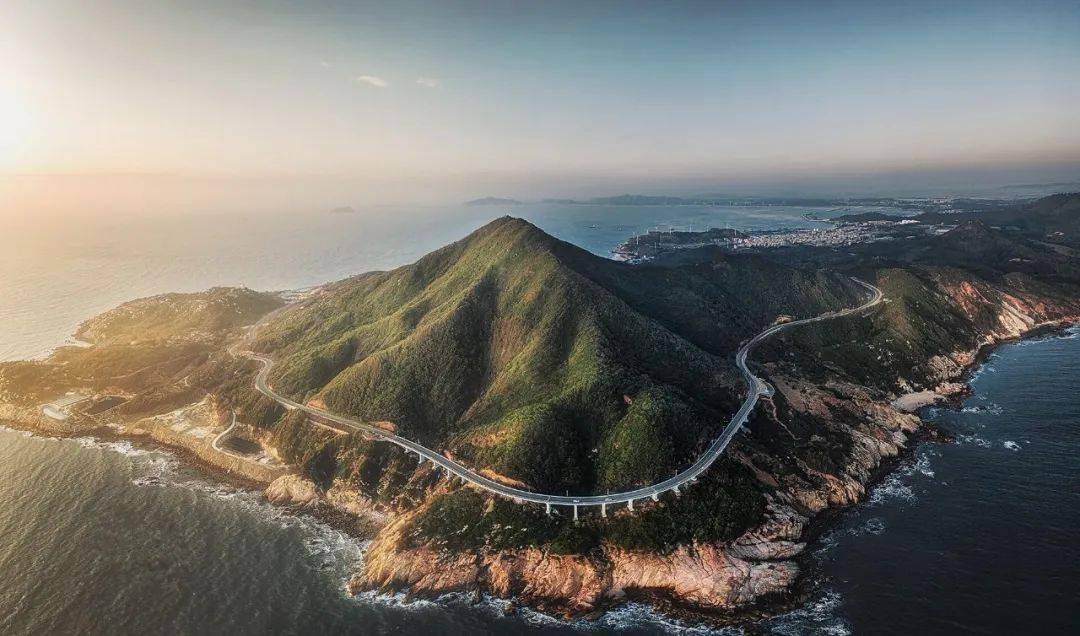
(111, 537)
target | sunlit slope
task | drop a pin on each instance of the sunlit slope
(531, 357)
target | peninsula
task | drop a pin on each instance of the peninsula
(513, 415)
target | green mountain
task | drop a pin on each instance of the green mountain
(533, 358)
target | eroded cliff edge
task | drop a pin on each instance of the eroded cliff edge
(816, 444)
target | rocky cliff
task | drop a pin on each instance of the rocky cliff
(816, 444)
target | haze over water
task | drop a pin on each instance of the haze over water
(58, 272)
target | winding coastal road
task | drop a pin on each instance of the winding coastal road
(757, 388)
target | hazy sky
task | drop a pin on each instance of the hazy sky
(393, 100)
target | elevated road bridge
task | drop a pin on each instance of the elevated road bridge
(756, 388)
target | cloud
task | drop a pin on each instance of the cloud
(377, 82)
(428, 82)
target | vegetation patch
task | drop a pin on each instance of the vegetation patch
(719, 507)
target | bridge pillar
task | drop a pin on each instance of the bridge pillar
(603, 510)
(630, 504)
(547, 507)
(676, 489)
(656, 496)
(575, 513)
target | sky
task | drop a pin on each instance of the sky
(294, 104)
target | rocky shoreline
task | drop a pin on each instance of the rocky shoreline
(730, 547)
(288, 491)
(758, 575)
(928, 432)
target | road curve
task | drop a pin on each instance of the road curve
(757, 387)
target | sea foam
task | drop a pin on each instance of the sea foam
(818, 616)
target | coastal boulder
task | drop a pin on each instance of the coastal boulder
(292, 490)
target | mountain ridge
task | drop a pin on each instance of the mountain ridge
(524, 354)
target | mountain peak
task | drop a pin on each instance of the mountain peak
(509, 231)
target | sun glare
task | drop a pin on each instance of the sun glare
(15, 125)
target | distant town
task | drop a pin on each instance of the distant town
(841, 231)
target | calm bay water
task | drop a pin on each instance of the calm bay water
(106, 537)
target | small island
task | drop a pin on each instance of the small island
(492, 201)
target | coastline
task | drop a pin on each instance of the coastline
(666, 604)
(929, 432)
(352, 525)
(768, 604)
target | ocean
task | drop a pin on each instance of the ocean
(101, 536)
(57, 272)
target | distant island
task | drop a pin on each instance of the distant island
(544, 367)
(911, 204)
(493, 201)
(920, 204)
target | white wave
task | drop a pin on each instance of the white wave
(154, 470)
(1011, 445)
(893, 487)
(638, 615)
(816, 617)
(626, 616)
(825, 544)
(1070, 333)
(921, 465)
(973, 439)
(873, 525)
(981, 369)
(155, 467)
(989, 409)
(123, 447)
(400, 600)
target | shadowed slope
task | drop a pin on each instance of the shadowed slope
(527, 355)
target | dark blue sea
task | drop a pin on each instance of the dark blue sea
(973, 536)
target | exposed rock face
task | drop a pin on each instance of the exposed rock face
(815, 444)
(31, 418)
(710, 576)
(344, 497)
(292, 490)
(860, 424)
